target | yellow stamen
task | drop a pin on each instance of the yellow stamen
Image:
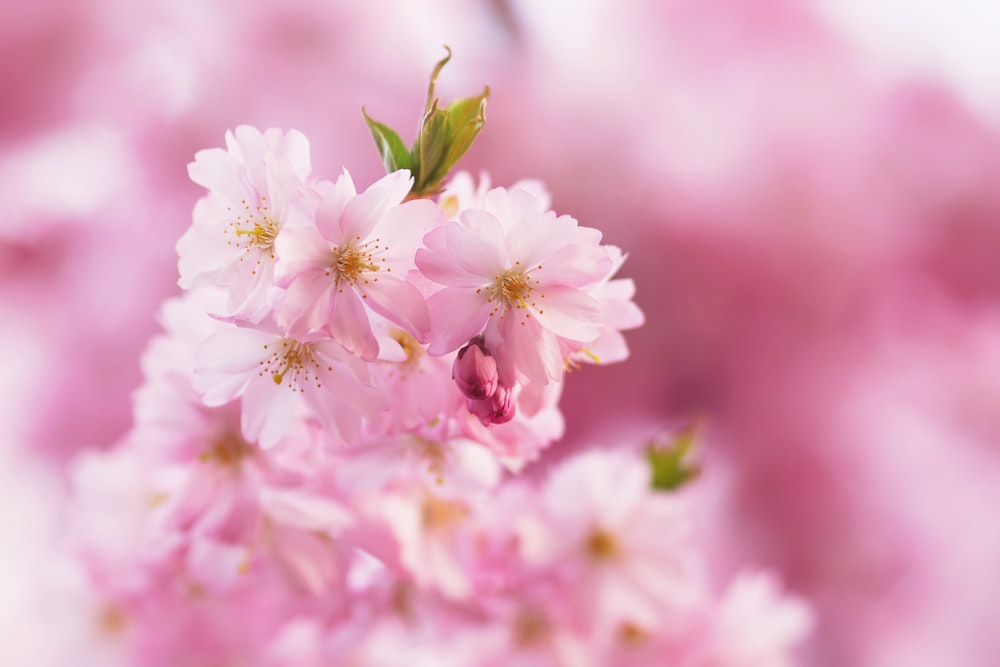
(112, 620)
(530, 628)
(296, 359)
(228, 450)
(601, 545)
(255, 229)
(440, 514)
(352, 261)
(630, 633)
(434, 453)
(514, 290)
(413, 350)
(450, 206)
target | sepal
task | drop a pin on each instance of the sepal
(669, 458)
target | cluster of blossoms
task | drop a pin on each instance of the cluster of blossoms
(378, 315)
(325, 463)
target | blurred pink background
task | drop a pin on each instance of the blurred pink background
(807, 193)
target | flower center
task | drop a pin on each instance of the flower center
(352, 261)
(435, 454)
(531, 628)
(601, 545)
(295, 358)
(513, 289)
(450, 206)
(440, 514)
(228, 450)
(413, 350)
(254, 230)
(261, 235)
(111, 620)
(630, 633)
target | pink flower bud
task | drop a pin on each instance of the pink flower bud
(475, 371)
(497, 409)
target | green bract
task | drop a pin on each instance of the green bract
(444, 136)
(669, 460)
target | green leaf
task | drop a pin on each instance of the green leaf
(466, 118)
(431, 148)
(394, 154)
(669, 460)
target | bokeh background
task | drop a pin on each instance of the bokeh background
(807, 191)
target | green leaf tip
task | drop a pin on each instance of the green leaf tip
(434, 77)
(443, 137)
(669, 458)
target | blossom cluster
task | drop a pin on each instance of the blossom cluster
(326, 464)
(354, 308)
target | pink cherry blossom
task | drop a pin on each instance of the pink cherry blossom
(356, 258)
(277, 377)
(432, 529)
(627, 550)
(517, 274)
(255, 187)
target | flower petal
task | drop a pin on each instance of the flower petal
(569, 313)
(456, 316)
(330, 209)
(402, 227)
(216, 170)
(349, 324)
(300, 249)
(438, 265)
(363, 212)
(576, 264)
(400, 302)
(307, 304)
(476, 243)
(534, 238)
(225, 360)
(268, 409)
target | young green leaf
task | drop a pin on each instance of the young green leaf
(431, 147)
(466, 118)
(669, 459)
(390, 147)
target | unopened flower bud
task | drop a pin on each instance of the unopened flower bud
(497, 409)
(475, 371)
